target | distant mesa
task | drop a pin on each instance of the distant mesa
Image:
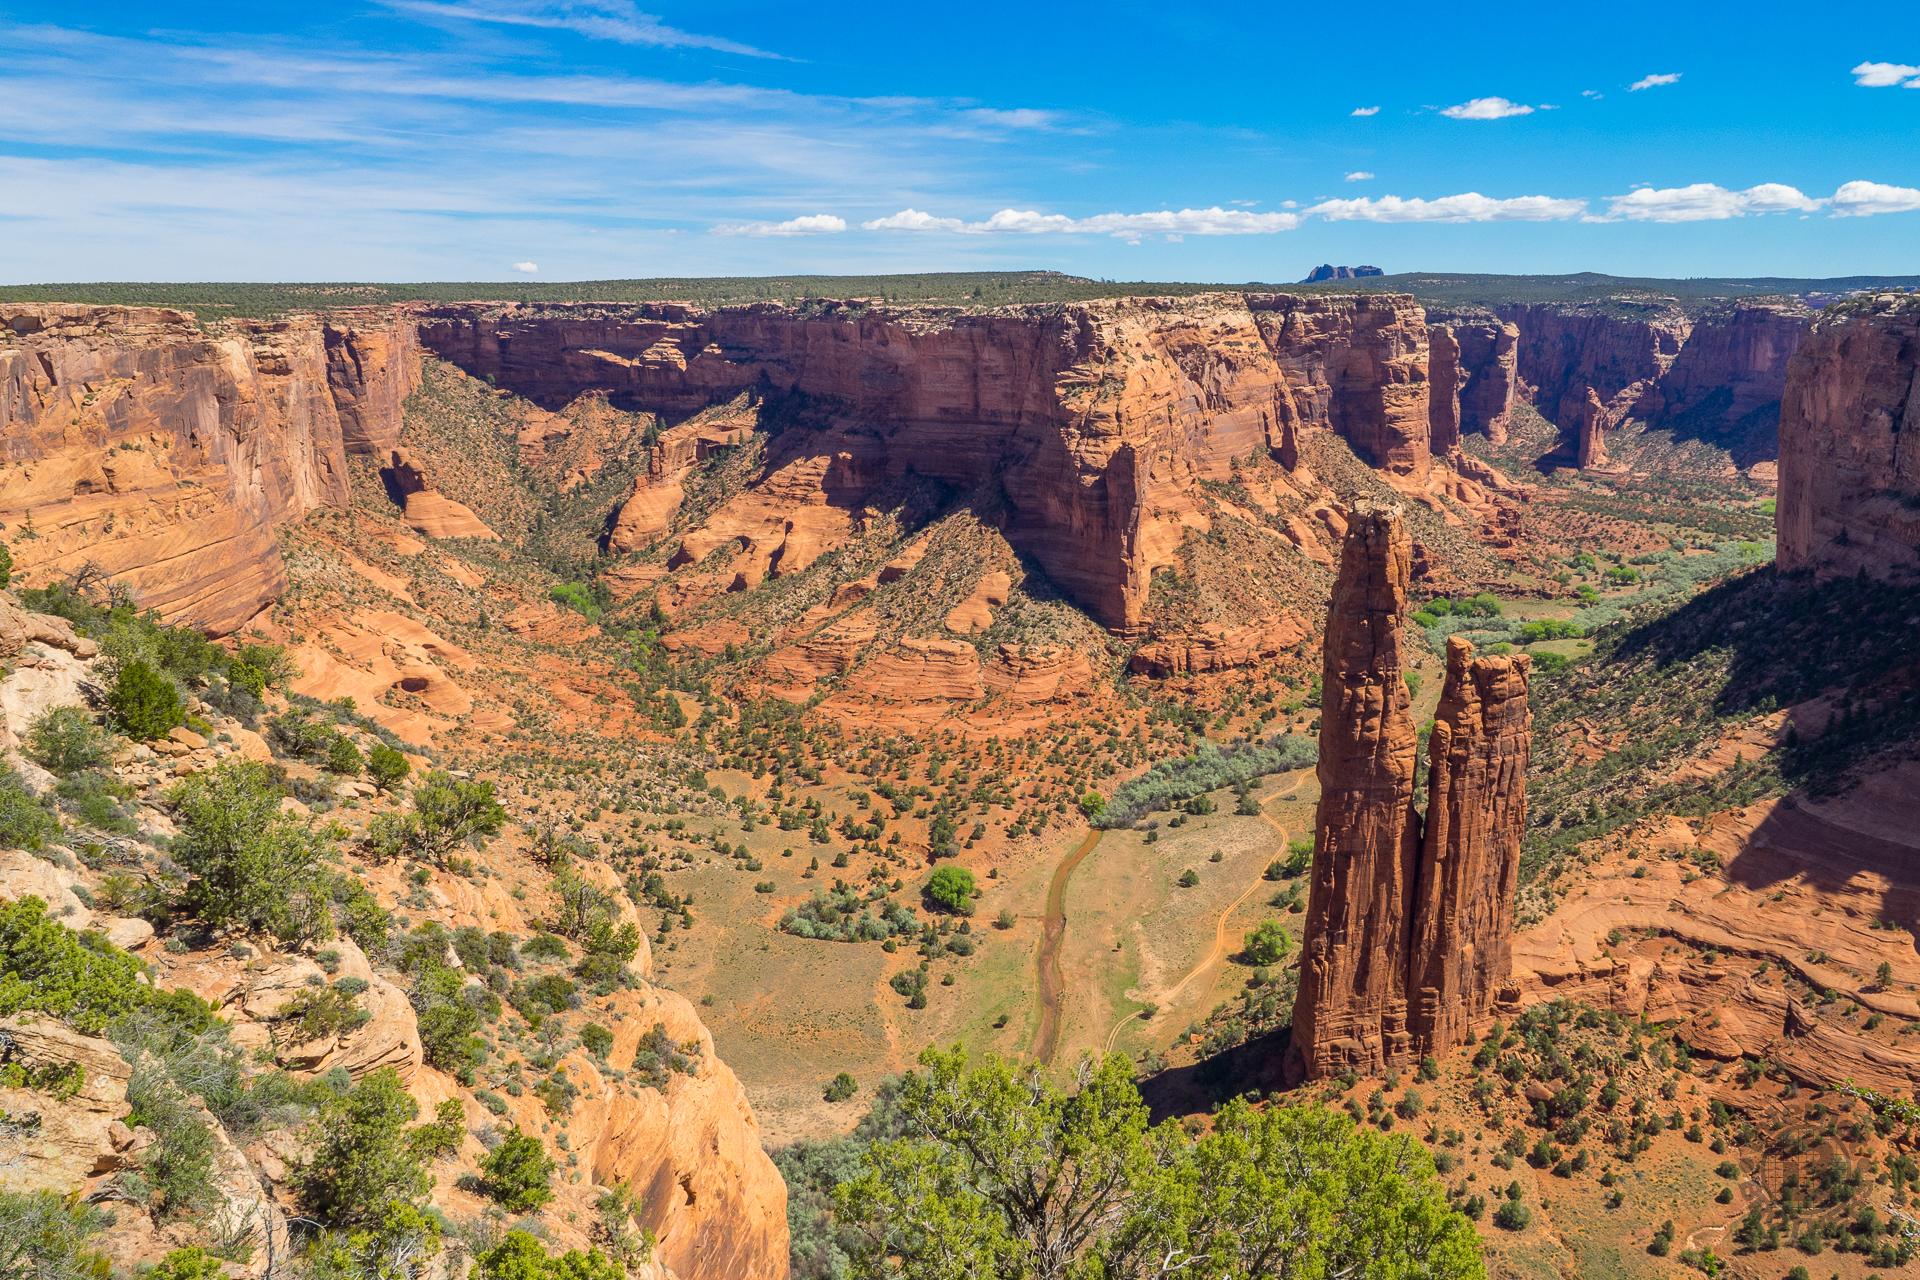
(1327, 271)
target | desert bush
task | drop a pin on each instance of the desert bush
(841, 1087)
(252, 864)
(343, 758)
(517, 1174)
(832, 915)
(80, 978)
(521, 1256)
(143, 703)
(1172, 783)
(25, 822)
(362, 1160)
(46, 1236)
(386, 766)
(64, 740)
(658, 1055)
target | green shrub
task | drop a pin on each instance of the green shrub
(518, 1173)
(1512, 1216)
(362, 1159)
(386, 766)
(80, 978)
(143, 703)
(178, 1166)
(1268, 943)
(25, 822)
(544, 946)
(1171, 783)
(64, 740)
(314, 1012)
(191, 1263)
(522, 1257)
(44, 1236)
(252, 864)
(449, 812)
(1188, 878)
(951, 888)
(841, 1087)
(597, 1039)
(344, 758)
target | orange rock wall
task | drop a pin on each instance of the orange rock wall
(1850, 443)
(1352, 1006)
(1095, 419)
(1470, 849)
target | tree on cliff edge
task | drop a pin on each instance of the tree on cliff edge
(1001, 1173)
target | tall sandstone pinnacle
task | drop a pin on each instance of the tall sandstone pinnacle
(1352, 1008)
(1470, 851)
(1407, 932)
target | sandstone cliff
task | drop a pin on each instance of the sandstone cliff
(167, 456)
(1470, 852)
(1734, 362)
(1352, 1007)
(1565, 352)
(1850, 442)
(1444, 376)
(1092, 421)
(1406, 940)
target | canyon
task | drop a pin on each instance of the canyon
(1115, 526)
(1408, 922)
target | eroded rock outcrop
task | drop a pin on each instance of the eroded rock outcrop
(1443, 393)
(1590, 450)
(167, 455)
(427, 509)
(1095, 420)
(1850, 442)
(1470, 848)
(1406, 932)
(1488, 375)
(1352, 1007)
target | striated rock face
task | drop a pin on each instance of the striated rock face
(1734, 363)
(373, 365)
(1488, 377)
(1470, 853)
(1850, 443)
(1406, 932)
(1565, 352)
(167, 456)
(1220, 648)
(1356, 365)
(1352, 1006)
(1443, 390)
(1094, 420)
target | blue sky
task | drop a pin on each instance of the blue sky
(512, 139)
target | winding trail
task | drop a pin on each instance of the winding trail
(1052, 985)
(1221, 941)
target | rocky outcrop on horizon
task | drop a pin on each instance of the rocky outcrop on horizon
(1850, 442)
(1406, 941)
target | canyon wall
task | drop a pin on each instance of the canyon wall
(1092, 422)
(1563, 352)
(1407, 929)
(1733, 362)
(1850, 442)
(167, 455)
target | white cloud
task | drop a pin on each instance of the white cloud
(616, 20)
(1126, 226)
(1359, 175)
(1704, 202)
(1486, 109)
(1366, 111)
(526, 268)
(913, 220)
(1018, 118)
(813, 224)
(1882, 75)
(1592, 93)
(1863, 199)
(1650, 82)
(1471, 207)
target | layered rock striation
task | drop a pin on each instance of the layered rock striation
(1407, 928)
(1470, 847)
(1352, 1006)
(167, 455)
(1850, 442)
(1090, 422)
